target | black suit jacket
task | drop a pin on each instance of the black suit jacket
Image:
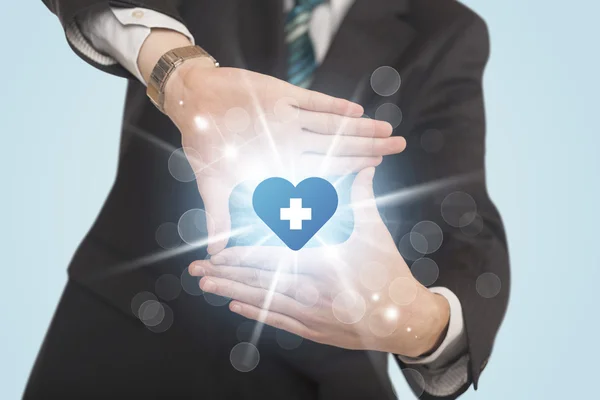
(440, 49)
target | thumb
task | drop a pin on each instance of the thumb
(216, 203)
(363, 198)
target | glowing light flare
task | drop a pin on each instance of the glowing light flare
(201, 123)
(414, 192)
(163, 255)
(391, 314)
(383, 321)
(230, 152)
(331, 252)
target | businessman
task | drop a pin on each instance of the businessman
(234, 82)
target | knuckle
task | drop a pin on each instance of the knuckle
(353, 127)
(373, 146)
(259, 298)
(223, 272)
(320, 337)
(255, 277)
(278, 322)
(304, 313)
(310, 335)
(334, 123)
(228, 291)
(312, 99)
(287, 289)
(339, 104)
(359, 163)
(367, 126)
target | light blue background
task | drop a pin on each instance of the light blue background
(58, 161)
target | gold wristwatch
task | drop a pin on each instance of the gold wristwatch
(165, 67)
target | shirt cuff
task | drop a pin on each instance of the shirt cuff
(445, 371)
(119, 33)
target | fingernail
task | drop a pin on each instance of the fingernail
(236, 308)
(217, 260)
(209, 286)
(199, 271)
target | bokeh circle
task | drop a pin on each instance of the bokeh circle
(389, 112)
(168, 287)
(287, 340)
(167, 236)
(179, 166)
(244, 357)
(426, 237)
(190, 284)
(425, 270)
(151, 313)
(383, 321)
(139, 299)
(165, 323)
(474, 228)
(488, 285)
(415, 380)
(193, 226)
(406, 248)
(403, 290)
(385, 81)
(237, 120)
(349, 307)
(459, 209)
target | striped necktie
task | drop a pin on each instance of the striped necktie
(301, 54)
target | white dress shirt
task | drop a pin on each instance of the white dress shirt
(116, 35)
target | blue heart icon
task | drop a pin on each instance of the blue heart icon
(295, 214)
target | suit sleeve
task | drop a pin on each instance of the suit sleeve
(447, 125)
(70, 13)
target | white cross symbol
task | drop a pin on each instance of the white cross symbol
(295, 214)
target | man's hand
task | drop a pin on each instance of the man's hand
(357, 295)
(239, 125)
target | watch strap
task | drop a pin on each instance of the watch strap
(166, 65)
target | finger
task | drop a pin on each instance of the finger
(336, 124)
(272, 258)
(277, 320)
(258, 297)
(261, 257)
(363, 198)
(340, 145)
(317, 164)
(216, 203)
(315, 101)
(280, 282)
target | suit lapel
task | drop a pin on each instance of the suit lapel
(372, 34)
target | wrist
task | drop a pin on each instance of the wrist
(190, 73)
(426, 327)
(439, 312)
(159, 42)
